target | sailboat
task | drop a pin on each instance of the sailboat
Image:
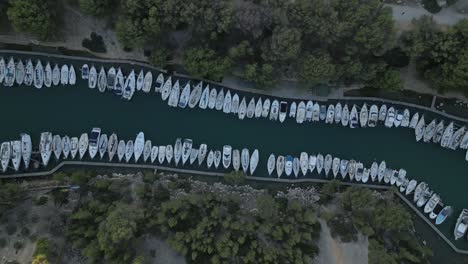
(383, 113)
(382, 169)
(177, 151)
(154, 153)
(92, 78)
(102, 80)
(258, 108)
(112, 144)
(301, 111)
(338, 111)
(227, 156)
(319, 165)
(390, 118)
(169, 153)
(161, 154)
(253, 161)
(439, 131)
(140, 80)
(242, 109)
(147, 82)
(217, 158)
(213, 96)
(138, 146)
(74, 146)
(406, 118)
(45, 148)
(293, 110)
(447, 136)
(29, 73)
(129, 150)
(419, 129)
(202, 153)
(304, 163)
(245, 160)
(236, 159)
(129, 86)
(456, 138)
(414, 120)
(235, 104)
(196, 96)
(174, 94)
(328, 164)
(296, 166)
(251, 108)
(159, 83)
(26, 149)
(311, 111)
(219, 100)
(83, 145)
(312, 162)
(48, 75)
(271, 163)
(193, 155)
(119, 83)
(186, 149)
(344, 168)
(210, 159)
(353, 117)
(102, 145)
(274, 111)
(266, 108)
(345, 116)
(16, 154)
(38, 75)
(71, 75)
(364, 116)
(227, 103)
(335, 166)
(66, 146)
(93, 142)
(57, 146)
(111, 79)
(121, 150)
(279, 166)
(429, 131)
(184, 96)
(147, 150)
(5, 154)
(19, 72)
(374, 171)
(330, 114)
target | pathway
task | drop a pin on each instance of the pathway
(403, 15)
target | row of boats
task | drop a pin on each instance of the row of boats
(447, 136)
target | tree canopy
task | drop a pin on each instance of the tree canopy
(33, 16)
(205, 63)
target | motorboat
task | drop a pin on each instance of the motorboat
(48, 75)
(129, 86)
(266, 108)
(443, 214)
(159, 83)
(102, 80)
(365, 175)
(309, 111)
(177, 151)
(57, 146)
(279, 166)
(217, 158)
(401, 177)
(119, 83)
(197, 95)
(388, 175)
(420, 188)
(383, 113)
(293, 110)
(245, 160)
(74, 147)
(461, 225)
(288, 165)
(315, 112)
(301, 111)
(296, 166)
(251, 109)
(351, 169)
(56, 75)
(439, 131)
(390, 118)
(345, 116)
(111, 78)
(140, 80)
(344, 168)
(406, 118)
(92, 78)
(147, 82)
(38, 75)
(456, 138)
(335, 166)
(184, 96)
(312, 163)
(175, 94)
(112, 144)
(84, 71)
(166, 89)
(19, 72)
(129, 150)
(403, 185)
(71, 75)
(429, 131)
(212, 100)
(102, 145)
(319, 164)
(242, 109)
(154, 153)
(93, 142)
(374, 171)
(236, 159)
(304, 163)
(202, 153)
(274, 111)
(83, 145)
(45, 148)
(382, 169)
(186, 149)
(359, 171)
(353, 117)
(338, 111)
(139, 146)
(464, 141)
(161, 153)
(364, 116)
(414, 120)
(411, 186)
(271, 163)
(169, 153)
(210, 159)
(431, 204)
(16, 154)
(194, 155)
(29, 73)
(235, 104)
(219, 100)
(447, 136)
(330, 114)
(373, 116)
(328, 164)
(393, 177)
(258, 108)
(420, 129)
(323, 112)
(64, 73)
(227, 103)
(10, 72)
(398, 118)
(253, 161)
(5, 154)
(283, 110)
(227, 156)
(66, 146)
(26, 149)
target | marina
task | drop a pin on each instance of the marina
(72, 110)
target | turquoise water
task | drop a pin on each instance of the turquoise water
(72, 110)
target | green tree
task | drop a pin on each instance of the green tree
(205, 63)
(43, 247)
(263, 76)
(97, 7)
(40, 259)
(159, 57)
(389, 80)
(33, 16)
(317, 68)
(234, 177)
(379, 255)
(284, 44)
(267, 207)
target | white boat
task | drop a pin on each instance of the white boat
(47, 75)
(418, 191)
(112, 145)
(353, 117)
(301, 111)
(364, 116)
(147, 150)
(26, 149)
(154, 153)
(210, 159)
(359, 171)
(304, 163)
(390, 118)
(365, 175)
(274, 111)
(279, 166)
(351, 169)
(310, 111)
(84, 71)
(251, 108)
(338, 113)
(312, 163)
(373, 116)
(266, 108)
(38, 75)
(16, 154)
(414, 120)
(217, 158)
(119, 83)
(169, 153)
(29, 73)
(45, 147)
(227, 103)
(166, 89)
(83, 145)
(283, 110)
(219, 100)
(71, 75)
(429, 131)
(253, 161)
(319, 164)
(335, 166)
(5, 154)
(296, 166)
(184, 96)
(242, 109)
(196, 96)
(204, 98)
(461, 225)
(202, 153)
(288, 165)
(186, 149)
(345, 116)
(419, 129)
(111, 78)
(425, 196)
(147, 82)
(129, 150)
(227, 156)
(388, 175)
(92, 78)
(140, 80)
(139, 146)
(175, 94)
(2, 69)
(93, 142)
(394, 177)
(411, 186)
(383, 113)
(382, 169)
(102, 145)
(431, 204)
(74, 146)
(245, 160)
(406, 118)
(330, 114)
(441, 214)
(121, 150)
(235, 104)
(403, 185)
(129, 86)
(159, 83)
(293, 110)
(456, 138)
(464, 141)
(344, 168)
(102, 80)
(10, 72)
(66, 146)
(439, 131)
(177, 151)
(398, 118)
(323, 112)
(258, 108)
(328, 164)
(19, 72)
(447, 136)
(193, 155)
(161, 154)
(236, 159)
(56, 75)
(271, 163)
(374, 171)
(213, 96)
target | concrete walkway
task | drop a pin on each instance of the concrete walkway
(403, 15)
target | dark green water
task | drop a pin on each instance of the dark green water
(72, 110)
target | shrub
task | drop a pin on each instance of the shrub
(42, 200)
(42, 247)
(431, 6)
(95, 44)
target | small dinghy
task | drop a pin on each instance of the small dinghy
(253, 161)
(217, 158)
(304, 163)
(258, 108)
(390, 117)
(439, 131)
(29, 73)
(66, 146)
(92, 78)
(236, 159)
(16, 154)
(129, 150)
(419, 129)
(288, 165)
(353, 117)
(38, 75)
(129, 86)
(447, 136)
(444, 214)
(119, 83)
(219, 100)
(48, 75)
(319, 165)
(323, 112)
(293, 110)
(345, 116)
(202, 153)
(166, 89)
(330, 114)
(83, 145)
(102, 79)
(338, 111)
(406, 118)
(71, 76)
(383, 113)
(159, 83)
(266, 108)
(235, 104)
(429, 131)
(227, 156)
(193, 155)
(309, 111)
(374, 170)
(227, 103)
(312, 162)
(328, 164)
(301, 112)
(251, 108)
(283, 110)
(147, 150)
(242, 109)
(197, 96)
(245, 160)
(186, 149)
(26, 149)
(154, 153)
(147, 82)
(210, 159)
(184, 96)
(121, 150)
(363, 116)
(213, 96)
(74, 147)
(111, 79)
(169, 153)
(296, 166)
(274, 111)
(112, 146)
(5, 154)
(177, 151)
(103, 141)
(56, 75)
(139, 146)
(84, 71)
(344, 168)
(411, 186)
(140, 80)
(19, 72)
(335, 166)
(279, 166)
(161, 154)
(271, 164)
(382, 169)
(175, 94)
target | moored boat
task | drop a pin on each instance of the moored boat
(296, 166)
(112, 145)
(398, 118)
(335, 166)
(319, 164)
(16, 154)
(154, 153)
(138, 146)
(251, 108)
(258, 108)
(373, 116)
(10, 72)
(38, 75)
(129, 86)
(147, 82)
(266, 108)
(323, 112)
(166, 89)
(274, 111)
(29, 73)
(94, 141)
(293, 110)
(45, 147)
(19, 72)
(235, 159)
(129, 150)
(111, 78)
(202, 153)
(456, 138)
(242, 109)
(121, 150)
(235, 104)
(328, 164)
(253, 161)
(383, 113)
(227, 103)
(390, 117)
(279, 166)
(196, 96)
(84, 71)
(374, 171)
(227, 156)
(170, 153)
(304, 163)
(345, 116)
(186, 149)
(271, 163)
(66, 146)
(406, 118)
(26, 149)
(351, 169)
(92, 78)
(353, 117)
(184, 96)
(74, 146)
(309, 113)
(338, 111)
(210, 159)
(283, 110)
(5, 154)
(161, 154)
(461, 225)
(315, 112)
(288, 165)
(140, 80)
(439, 131)
(102, 80)
(177, 151)
(364, 116)
(217, 158)
(245, 160)
(443, 214)
(344, 168)
(212, 100)
(420, 188)
(119, 83)
(330, 114)
(431, 204)
(414, 120)
(102, 145)
(83, 145)
(312, 162)
(159, 83)
(419, 129)
(219, 100)
(429, 131)
(301, 111)
(411, 186)
(447, 136)
(382, 169)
